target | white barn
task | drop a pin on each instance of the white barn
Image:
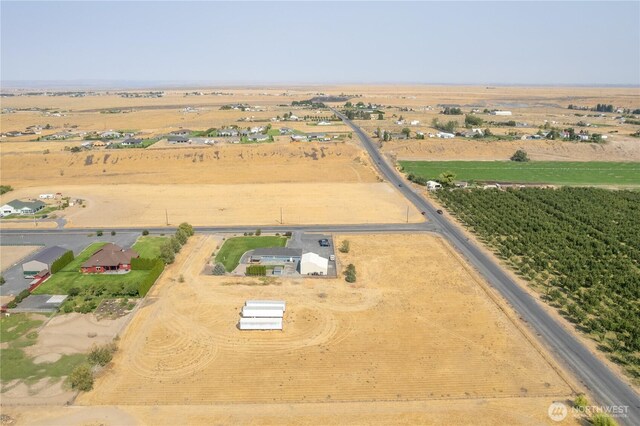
(266, 303)
(260, 324)
(501, 113)
(432, 185)
(262, 312)
(311, 263)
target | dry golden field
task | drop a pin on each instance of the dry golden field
(9, 255)
(239, 204)
(408, 331)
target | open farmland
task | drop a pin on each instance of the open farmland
(577, 246)
(241, 204)
(9, 255)
(550, 172)
(428, 332)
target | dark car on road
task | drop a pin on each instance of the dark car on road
(324, 242)
(439, 211)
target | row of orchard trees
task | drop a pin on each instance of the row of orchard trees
(581, 246)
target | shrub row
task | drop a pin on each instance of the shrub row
(256, 270)
(151, 278)
(63, 261)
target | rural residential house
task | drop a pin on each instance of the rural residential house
(178, 139)
(131, 142)
(22, 207)
(42, 261)
(227, 132)
(258, 137)
(181, 132)
(110, 258)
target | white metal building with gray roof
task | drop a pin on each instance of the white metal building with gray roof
(42, 261)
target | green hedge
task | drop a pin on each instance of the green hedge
(256, 270)
(62, 261)
(151, 278)
(142, 263)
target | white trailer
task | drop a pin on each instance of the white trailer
(264, 303)
(260, 324)
(262, 312)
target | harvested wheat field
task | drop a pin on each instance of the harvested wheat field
(9, 255)
(541, 150)
(232, 164)
(241, 204)
(413, 328)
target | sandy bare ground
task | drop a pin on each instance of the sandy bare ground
(276, 163)
(10, 255)
(26, 224)
(301, 203)
(410, 330)
(465, 149)
(510, 411)
(72, 333)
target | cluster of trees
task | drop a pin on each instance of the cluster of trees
(449, 127)
(309, 103)
(579, 246)
(471, 120)
(170, 248)
(81, 378)
(451, 111)
(5, 188)
(355, 114)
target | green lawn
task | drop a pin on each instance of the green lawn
(233, 248)
(551, 172)
(149, 247)
(74, 265)
(17, 332)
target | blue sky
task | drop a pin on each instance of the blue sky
(323, 42)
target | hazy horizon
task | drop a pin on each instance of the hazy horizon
(320, 43)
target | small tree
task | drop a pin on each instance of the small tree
(181, 236)
(520, 156)
(187, 228)
(344, 248)
(580, 401)
(99, 233)
(102, 355)
(175, 244)
(113, 233)
(81, 378)
(166, 253)
(602, 419)
(219, 269)
(406, 131)
(258, 232)
(2, 280)
(350, 273)
(447, 178)
(145, 232)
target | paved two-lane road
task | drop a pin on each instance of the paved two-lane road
(607, 387)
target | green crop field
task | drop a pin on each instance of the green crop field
(550, 172)
(233, 248)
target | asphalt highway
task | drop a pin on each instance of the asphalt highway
(597, 377)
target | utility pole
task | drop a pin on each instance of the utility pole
(280, 215)
(166, 215)
(407, 214)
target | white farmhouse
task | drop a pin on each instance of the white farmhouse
(313, 264)
(415, 122)
(432, 185)
(445, 135)
(501, 113)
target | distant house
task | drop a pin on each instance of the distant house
(445, 135)
(178, 139)
(400, 122)
(181, 132)
(110, 258)
(256, 129)
(22, 207)
(324, 123)
(501, 113)
(286, 131)
(42, 261)
(317, 137)
(415, 122)
(131, 142)
(100, 143)
(275, 254)
(298, 138)
(399, 136)
(293, 117)
(258, 137)
(228, 132)
(110, 135)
